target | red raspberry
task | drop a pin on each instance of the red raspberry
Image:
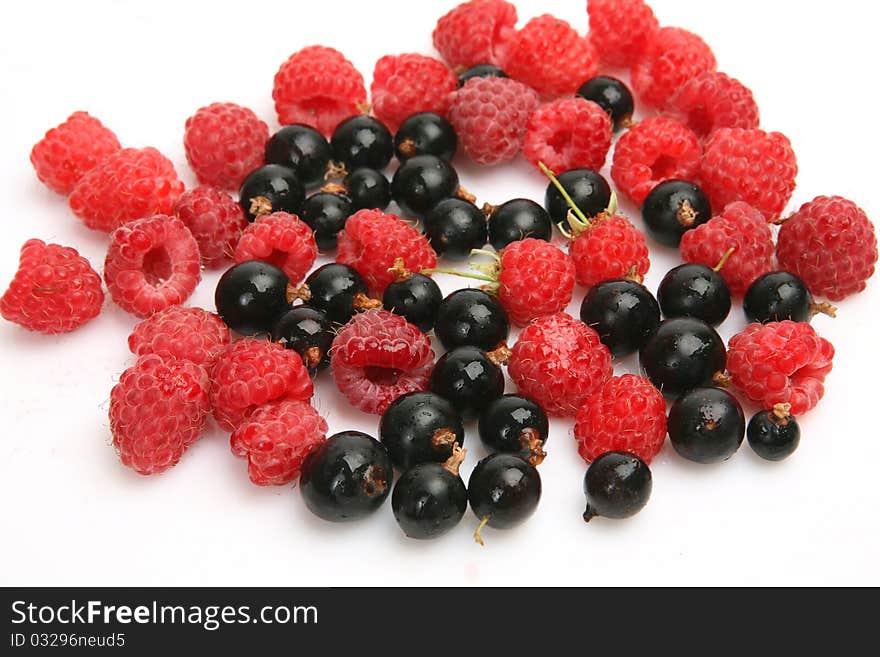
(157, 410)
(749, 165)
(620, 30)
(54, 291)
(250, 373)
(628, 414)
(373, 240)
(319, 87)
(276, 439)
(131, 184)
(551, 57)
(71, 150)
(152, 264)
(475, 32)
(653, 151)
(830, 244)
(740, 229)
(713, 100)
(781, 363)
(490, 116)
(406, 84)
(224, 142)
(559, 362)
(671, 58)
(215, 220)
(281, 239)
(606, 248)
(179, 333)
(571, 133)
(379, 356)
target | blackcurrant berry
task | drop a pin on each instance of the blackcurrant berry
(347, 477)
(425, 133)
(309, 333)
(780, 296)
(422, 182)
(415, 297)
(624, 314)
(455, 228)
(516, 425)
(338, 291)
(611, 95)
(303, 149)
(504, 491)
(516, 220)
(251, 296)
(469, 378)
(707, 425)
(481, 71)
(272, 188)
(368, 189)
(326, 214)
(695, 291)
(471, 318)
(362, 141)
(617, 486)
(673, 208)
(683, 354)
(774, 435)
(420, 427)
(589, 191)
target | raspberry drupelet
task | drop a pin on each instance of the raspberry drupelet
(215, 220)
(566, 134)
(671, 57)
(712, 101)
(620, 30)
(406, 84)
(190, 334)
(475, 32)
(282, 240)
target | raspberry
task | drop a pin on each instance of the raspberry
(378, 357)
(404, 85)
(475, 32)
(830, 244)
(713, 100)
(781, 363)
(490, 116)
(215, 220)
(318, 87)
(371, 243)
(276, 439)
(157, 410)
(551, 57)
(131, 184)
(224, 142)
(620, 30)
(739, 229)
(54, 291)
(653, 151)
(71, 150)
(571, 133)
(250, 373)
(151, 264)
(628, 414)
(281, 239)
(671, 58)
(749, 165)
(559, 362)
(606, 248)
(179, 333)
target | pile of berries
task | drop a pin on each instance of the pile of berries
(709, 180)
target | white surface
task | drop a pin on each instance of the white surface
(71, 514)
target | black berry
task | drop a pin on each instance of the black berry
(695, 291)
(514, 424)
(416, 298)
(362, 141)
(617, 485)
(309, 333)
(673, 208)
(326, 214)
(368, 189)
(504, 491)
(420, 427)
(481, 71)
(455, 228)
(611, 95)
(251, 296)
(707, 425)
(589, 191)
(272, 188)
(516, 220)
(425, 133)
(422, 182)
(682, 354)
(780, 296)
(430, 499)
(336, 290)
(303, 149)
(624, 314)
(469, 378)
(471, 318)
(774, 435)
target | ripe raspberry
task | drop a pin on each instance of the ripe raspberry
(713, 100)
(559, 362)
(671, 58)
(250, 373)
(179, 333)
(131, 184)
(490, 116)
(276, 439)
(628, 414)
(551, 57)
(224, 142)
(606, 248)
(653, 151)
(71, 150)
(379, 356)
(319, 87)
(571, 133)
(830, 244)
(740, 229)
(781, 363)
(749, 165)
(475, 32)
(404, 85)
(371, 243)
(620, 30)
(215, 220)
(281, 239)
(151, 264)
(157, 410)
(54, 291)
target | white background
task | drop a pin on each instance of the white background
(71, 514)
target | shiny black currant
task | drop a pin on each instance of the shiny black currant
(469, 378)
(774, 435)
(416, 298)
(326, 214)
(514, 424)
(695, 291)
(481, 71)
(420, 427)
(303, 149)
(336, 290)
(272, 188)
(455, 228)
(251, 296)
(517, 220)
(683, 354)
(707, 425)
(471, 318)
(624, 314)
(611, 95)
(617, 486)
(589, 191)
(504, 491)
(425, 133)
(673, 208)
(309, 333)
(422, 182)
(780, 296)
(362, 141)
(430, 499)
(368, 189)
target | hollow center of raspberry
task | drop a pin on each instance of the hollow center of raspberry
(157, 266)
(277, 258)
(700, 121)
(382, 376)
(664, 167)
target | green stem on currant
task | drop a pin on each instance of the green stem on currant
(558, 185)
(460, 274)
